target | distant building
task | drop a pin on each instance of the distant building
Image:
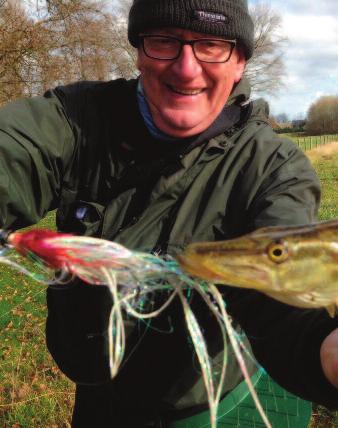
(298, 124)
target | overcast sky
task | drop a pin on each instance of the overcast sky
(311, 57)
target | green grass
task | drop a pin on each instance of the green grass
(33, 392)
(308, 142)
(327, 169)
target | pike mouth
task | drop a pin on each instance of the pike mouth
(194, 268)
(185, 91)
(235, 274)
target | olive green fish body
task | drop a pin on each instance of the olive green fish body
(297, 265)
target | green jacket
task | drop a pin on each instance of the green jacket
(85, 150)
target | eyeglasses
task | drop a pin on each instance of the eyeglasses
(169, 48)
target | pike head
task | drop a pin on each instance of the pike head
(297, 265)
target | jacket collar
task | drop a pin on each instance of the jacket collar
(144, 145)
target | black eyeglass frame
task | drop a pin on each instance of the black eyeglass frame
(191, 43)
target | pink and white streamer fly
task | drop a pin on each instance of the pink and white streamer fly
(131, 275)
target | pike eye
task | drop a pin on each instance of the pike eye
(278, 252)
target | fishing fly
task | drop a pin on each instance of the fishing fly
(131, 276)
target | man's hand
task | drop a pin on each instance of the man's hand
(329, 357)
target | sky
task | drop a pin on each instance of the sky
(311, 55)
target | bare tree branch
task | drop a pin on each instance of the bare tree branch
(266, 69)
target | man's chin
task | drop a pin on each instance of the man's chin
(182, 127)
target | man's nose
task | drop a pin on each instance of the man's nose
(187, 66)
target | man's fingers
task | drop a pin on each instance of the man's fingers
(329, 357)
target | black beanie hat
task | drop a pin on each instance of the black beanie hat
(221, 18)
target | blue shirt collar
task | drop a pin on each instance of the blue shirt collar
(147, 117)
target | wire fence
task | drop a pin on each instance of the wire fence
(311, 142)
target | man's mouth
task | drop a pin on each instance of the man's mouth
(186, 91)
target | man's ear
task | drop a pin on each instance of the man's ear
(240, 63)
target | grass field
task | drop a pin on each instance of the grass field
(325, 162)
(33, 393)
(309, 142)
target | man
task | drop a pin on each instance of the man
(178, 155)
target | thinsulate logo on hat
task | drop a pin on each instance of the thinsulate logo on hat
(201, 15)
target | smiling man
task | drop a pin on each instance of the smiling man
(180, 154)
(188, 72)
(190, 80)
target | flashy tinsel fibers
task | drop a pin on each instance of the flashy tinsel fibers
(131, 276)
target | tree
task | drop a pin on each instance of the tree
(19, 43)
(56, 43)
(124, 55)
(322, 116)
(79, 34)
(266, 69)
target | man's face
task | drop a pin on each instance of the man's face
(186, 95)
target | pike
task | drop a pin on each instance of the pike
(297, 265)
